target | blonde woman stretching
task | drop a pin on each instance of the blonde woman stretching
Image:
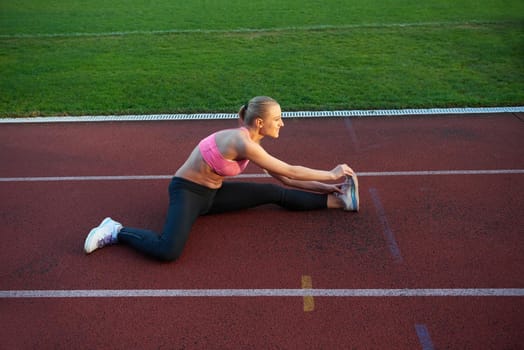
(198, 187)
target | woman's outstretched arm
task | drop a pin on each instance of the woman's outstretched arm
(255, 153)
(314, 186)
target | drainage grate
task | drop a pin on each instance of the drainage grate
(303, 114)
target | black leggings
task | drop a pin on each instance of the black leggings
(188, 200)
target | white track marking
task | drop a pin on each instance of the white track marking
(443, 172)
(258, 176)
(147, 293)
(298, 114)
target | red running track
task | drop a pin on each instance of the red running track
(433, 231)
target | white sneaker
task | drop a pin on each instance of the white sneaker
(102, 235)
(350, 194)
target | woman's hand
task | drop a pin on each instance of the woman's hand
(330, 188)
(342, 170)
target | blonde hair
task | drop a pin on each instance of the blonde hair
(255, 108)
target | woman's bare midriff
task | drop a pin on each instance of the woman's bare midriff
(195, 169)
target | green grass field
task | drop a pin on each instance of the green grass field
(118, 57)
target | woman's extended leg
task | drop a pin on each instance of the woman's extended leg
(187, 201)
(242, 195)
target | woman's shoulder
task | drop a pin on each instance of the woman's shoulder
(231, 141)
(234, 135)
(233, 131)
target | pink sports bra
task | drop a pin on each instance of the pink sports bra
(220, 165)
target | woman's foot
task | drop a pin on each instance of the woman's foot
(102, 235)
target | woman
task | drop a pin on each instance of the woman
(198, 187)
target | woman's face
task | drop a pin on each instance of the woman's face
(271, 121)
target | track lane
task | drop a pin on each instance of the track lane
(368, 144)
(452, 231)
(263, 323)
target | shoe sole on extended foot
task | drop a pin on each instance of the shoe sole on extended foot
(354, 193)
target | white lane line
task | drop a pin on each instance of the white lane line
(298, 114)
(146, 293)
(85, 178)
(443, 172)
(257, 176)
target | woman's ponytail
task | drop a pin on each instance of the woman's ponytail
(242, 114)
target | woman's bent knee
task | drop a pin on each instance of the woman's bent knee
(169, 255)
